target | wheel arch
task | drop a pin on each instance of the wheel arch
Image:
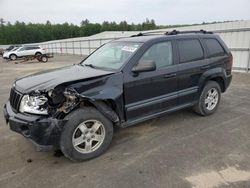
(106, 107)
(218, 75)
(38, 53)
(12, 54)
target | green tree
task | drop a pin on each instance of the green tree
(20, 32)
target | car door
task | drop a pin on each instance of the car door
(24, 51)
(150, 93)
(30, 51)
(21, 51)
(192, 64)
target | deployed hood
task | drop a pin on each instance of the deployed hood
(49, 79)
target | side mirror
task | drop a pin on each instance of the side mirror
(144, 66)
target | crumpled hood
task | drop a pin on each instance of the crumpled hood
(49, 79)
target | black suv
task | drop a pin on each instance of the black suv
(122, 83)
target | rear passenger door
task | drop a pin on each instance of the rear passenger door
(192, 64)
(30, 51)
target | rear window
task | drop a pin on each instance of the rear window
(214, 47)
(190, 50)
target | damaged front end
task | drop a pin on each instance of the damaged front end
(40, 115)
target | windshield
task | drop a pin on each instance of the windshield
(111, 55)
(15, 48)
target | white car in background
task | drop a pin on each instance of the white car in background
(23, 51)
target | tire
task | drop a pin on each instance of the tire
(79, 127)
(44, 59)
(13, 57)
(209, 99)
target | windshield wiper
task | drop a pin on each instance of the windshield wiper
(90, 65)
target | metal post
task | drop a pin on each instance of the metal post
(61, 47)
(66, 47)
(248, 61)
(80, 44)
(89, 46)
(51, 47)
(73, 46)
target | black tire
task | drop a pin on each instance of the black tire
(44, 59)
(76, 118)
(13, 57)
(201, 108)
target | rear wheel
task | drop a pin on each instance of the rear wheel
(13, 57)
(209, 99)
(87, 134)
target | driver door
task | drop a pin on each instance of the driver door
(151, 93)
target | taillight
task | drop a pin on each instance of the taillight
(229, 65)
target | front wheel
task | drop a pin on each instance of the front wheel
(209, 99)
(87, 134)
(13, 57)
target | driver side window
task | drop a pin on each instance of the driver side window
(160, 53)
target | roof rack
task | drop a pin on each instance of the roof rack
(174, 32)
(148, 33)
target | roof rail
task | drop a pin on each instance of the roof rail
(148, 33)
(174, 32)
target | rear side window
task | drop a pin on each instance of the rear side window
(214, 47)
(190, 50)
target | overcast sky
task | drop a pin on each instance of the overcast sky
(164, 12)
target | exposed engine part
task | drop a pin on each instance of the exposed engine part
(71, 100)
(57, 96)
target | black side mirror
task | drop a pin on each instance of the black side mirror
(144, 66)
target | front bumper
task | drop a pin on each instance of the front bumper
(43, 131)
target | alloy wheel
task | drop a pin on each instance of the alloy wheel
(88, 136)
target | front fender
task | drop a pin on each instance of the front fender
(107, 88)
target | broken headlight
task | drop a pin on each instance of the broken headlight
(34, 104)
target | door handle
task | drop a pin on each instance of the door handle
(169, 75)
(205, 67)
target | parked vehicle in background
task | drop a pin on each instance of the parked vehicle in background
(23, 51)
(122, 83)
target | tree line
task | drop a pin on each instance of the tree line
(20, 32)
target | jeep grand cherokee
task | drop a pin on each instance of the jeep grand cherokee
(124, 82)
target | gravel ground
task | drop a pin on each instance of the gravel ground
(178, 150)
